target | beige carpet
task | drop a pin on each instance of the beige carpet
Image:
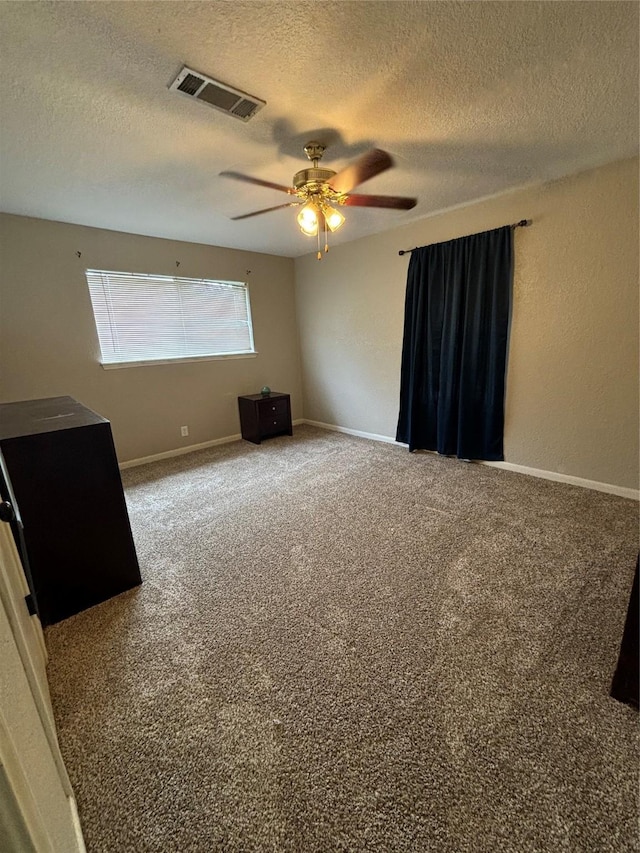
(341, 646)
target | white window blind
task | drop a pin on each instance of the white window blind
(143, 318)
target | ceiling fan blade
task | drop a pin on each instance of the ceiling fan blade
(361, 170)
(237, 176)
(266, 210)
(396, 202)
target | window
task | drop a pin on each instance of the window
(154, 318)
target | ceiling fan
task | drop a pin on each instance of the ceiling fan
(317, 189)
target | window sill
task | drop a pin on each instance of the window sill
(116, 365)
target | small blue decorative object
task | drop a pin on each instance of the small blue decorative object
(266, 391)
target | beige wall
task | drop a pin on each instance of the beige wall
(49, 345)
(572, 385)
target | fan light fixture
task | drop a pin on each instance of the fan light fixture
(332, 217)
(315, 214)
(308, 218)
(317, 189)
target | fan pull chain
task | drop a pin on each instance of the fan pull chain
(319, 252)
(326, 235)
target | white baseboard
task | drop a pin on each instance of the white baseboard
(76, 825)
(596, 485)
(372, 435)
(178, 451)
(609, 488)
(191, 448)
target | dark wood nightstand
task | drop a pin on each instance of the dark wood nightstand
(264, 416)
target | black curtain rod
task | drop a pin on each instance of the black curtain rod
(522, 224)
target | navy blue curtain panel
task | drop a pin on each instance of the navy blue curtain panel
(454, 350)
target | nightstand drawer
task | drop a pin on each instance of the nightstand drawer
(272, 412)
(269, 408)
(274, 426)
(273, 422)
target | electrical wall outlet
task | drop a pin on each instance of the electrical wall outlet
(184, 431)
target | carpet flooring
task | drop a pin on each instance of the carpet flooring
(341, 646)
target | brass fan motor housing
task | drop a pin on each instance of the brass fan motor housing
(312, 179)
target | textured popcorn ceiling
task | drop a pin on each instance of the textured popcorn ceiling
(471, 99)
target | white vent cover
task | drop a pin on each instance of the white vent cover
(216, 94)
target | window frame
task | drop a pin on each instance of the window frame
(170, 359)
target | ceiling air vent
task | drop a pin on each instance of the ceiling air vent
(216, 94)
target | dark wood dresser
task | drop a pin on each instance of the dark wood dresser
(63, 471)
(262, 416)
